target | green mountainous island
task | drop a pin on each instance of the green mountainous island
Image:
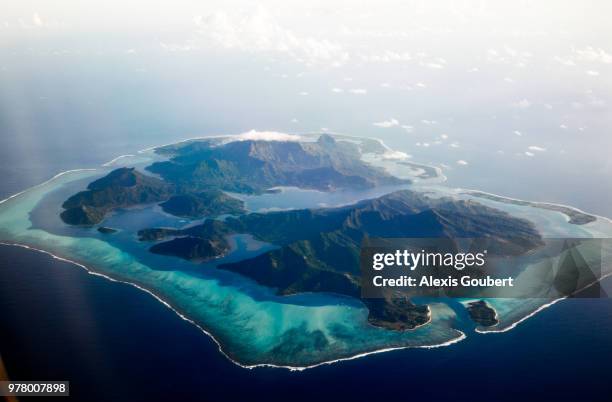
(317, 250)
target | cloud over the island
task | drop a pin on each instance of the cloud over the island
(462, 162)
(255, 135)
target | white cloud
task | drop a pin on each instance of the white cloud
(444, 136)
(462, 162)
(536, 148)
(387, 123)
(508, 55)
(254, 135)
(429, 122)
(518, 133)
(337, 90)
(303, 93)
(592, 73)
(530, 154)
(594, 55)
(522, 104)
(259, 31)
(565, 62)
(408, 128)
(358, 91)
(588, 55)
(37, 21)
(386, 56)
(435, 66)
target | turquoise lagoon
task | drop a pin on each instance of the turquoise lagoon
(252, 325)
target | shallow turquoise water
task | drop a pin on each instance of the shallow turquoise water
(252, 325)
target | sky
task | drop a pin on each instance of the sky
(484, 89)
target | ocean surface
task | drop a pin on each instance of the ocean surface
(115, 342)
(119, 343)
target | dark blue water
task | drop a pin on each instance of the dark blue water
(114, 342)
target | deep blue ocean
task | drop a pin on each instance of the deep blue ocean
(116, 343)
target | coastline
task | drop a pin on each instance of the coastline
(90, 271)
(461, 336)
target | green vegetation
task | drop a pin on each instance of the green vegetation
(121, 188)
(319, 248)
(207, 203)
(254, 166)
(482, 314)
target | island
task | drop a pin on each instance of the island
(197, 174)
(199, 243)
(241, 236)
(482, 313)
(317, 249)
(206, 203)
(124, 187)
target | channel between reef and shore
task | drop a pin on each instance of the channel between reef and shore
(92, 271)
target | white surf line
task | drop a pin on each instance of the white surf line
(547, 305)
(182, 316)
(116, 159)
(536, 311)
(322, 363)
(45, 182)
(153, 147)
(461, 337)
(467, 190)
